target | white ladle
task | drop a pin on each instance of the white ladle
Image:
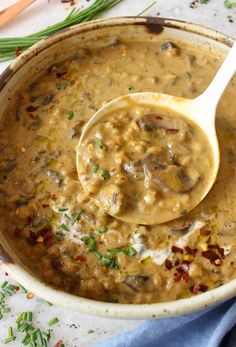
(201, 110)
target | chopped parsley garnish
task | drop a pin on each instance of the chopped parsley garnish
(91, 243)
(95, 168)
(113, 265)
(97, 255)
(64, 227)
(21, 202)
(107, 260)
(101, 143)
(77, 216)
(105, 174)
(203, 1)
(60, 86)
(130, 251)
(102, 230)
(130, 87)
(62, 209)
(71, 115)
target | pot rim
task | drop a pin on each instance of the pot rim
(61, 298)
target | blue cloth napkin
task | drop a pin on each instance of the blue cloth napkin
(213, 327)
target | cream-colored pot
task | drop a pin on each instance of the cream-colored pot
(60, 47)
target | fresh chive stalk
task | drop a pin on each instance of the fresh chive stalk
(8, 46)
(53, 321)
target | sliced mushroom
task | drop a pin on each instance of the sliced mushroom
(24, 187)
(43, 99)
(170, 48)
(173, 126)
(180, 231)
(55, 175)
(171, 177)
(136, 282)
(134, 168)
(112, 199)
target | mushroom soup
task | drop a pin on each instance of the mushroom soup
(52, 223)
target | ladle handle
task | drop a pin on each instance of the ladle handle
(213, 93)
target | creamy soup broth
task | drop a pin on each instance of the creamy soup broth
(145, 164)
(54, 226)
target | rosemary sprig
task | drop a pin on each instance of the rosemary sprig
(8, 46)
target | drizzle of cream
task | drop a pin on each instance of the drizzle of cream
(160, 255)
(74, 234)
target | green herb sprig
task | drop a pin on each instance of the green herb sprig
(8, 46)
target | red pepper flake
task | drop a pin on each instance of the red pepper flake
(59, 343)
(54, 197)
(175, 249)
(177, 262)
(157, 117)
(194, 289)
(210, 255)
(17, 288)
(6, 274)
(45, 205)
(205, 232)
(185, 276)
(203, 288)
(80, 257)
(45, 231)
(177, 277)
(30, 296)
(180, 269)
(172, 131)
(168, 264)
(17, 51)
(105, 269)
(191, 251)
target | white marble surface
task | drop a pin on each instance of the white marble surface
(73, 327)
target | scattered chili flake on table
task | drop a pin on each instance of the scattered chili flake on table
(30, 295)
(18, 52)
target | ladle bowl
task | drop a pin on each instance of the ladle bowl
(201, 111)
